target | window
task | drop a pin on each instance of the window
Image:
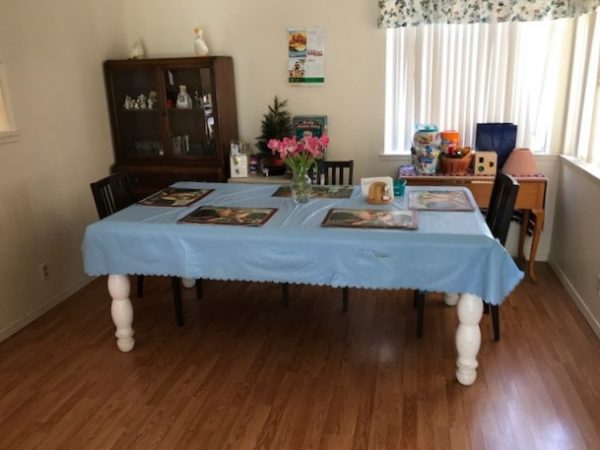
(455, 76)
(582, 135)
(7, 124)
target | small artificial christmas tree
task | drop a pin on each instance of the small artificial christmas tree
(275, 124)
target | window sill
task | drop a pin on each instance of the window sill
(7, 137)
(590, 170)
(395, 157)
(408, 157)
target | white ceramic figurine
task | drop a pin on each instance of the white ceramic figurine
(199, 45)
(137, 50)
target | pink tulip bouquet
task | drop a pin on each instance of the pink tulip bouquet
(299, 155)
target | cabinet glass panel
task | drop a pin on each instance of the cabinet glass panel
(190, 111)
(138, 105)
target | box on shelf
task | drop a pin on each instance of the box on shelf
(485, 162)
(239, 165)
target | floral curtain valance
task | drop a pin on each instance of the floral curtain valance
(400, 13)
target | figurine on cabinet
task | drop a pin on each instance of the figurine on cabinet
(184, 100)
(137, 50)
(200, 47)
(152, 99)
(142, 101)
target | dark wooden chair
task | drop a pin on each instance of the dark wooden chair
(332, 172)
(498, 217)
(114, 193)
(336, 173)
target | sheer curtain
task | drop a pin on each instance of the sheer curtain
(456, 75)
(582, 131)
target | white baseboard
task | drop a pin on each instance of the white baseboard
(591, 320)
(31, 316)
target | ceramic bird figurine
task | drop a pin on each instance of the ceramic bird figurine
(199, 45)
(137, 50)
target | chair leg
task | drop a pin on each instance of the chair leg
(175, 283)
(415, 298)
(496, 321)
(285, 294)
(419, 299)
(199, 290)
(140, 286)
(486, 308)
(345, 299)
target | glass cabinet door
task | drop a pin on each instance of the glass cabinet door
(138, 105)
(189, 106)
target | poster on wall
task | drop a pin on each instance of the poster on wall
(306, 56)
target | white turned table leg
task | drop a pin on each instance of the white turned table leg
(450, 299)
(468, 338)
(122, 311)
(188, 282)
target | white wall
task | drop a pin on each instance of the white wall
(575, 254)
(254, 34)
(53, 53)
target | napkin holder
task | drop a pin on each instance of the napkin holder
(378, 190)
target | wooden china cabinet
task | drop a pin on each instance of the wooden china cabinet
(172, 119)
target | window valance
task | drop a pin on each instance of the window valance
(400, 13)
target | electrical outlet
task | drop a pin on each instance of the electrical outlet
(44, 273)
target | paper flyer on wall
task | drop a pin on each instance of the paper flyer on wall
(306, 56)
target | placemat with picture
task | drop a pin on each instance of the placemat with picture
(318, 192)
(226, 215)
(370, 218)
(435, 200)
(175, 197)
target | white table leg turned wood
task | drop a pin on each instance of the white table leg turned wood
(468, 338)
(122, 311)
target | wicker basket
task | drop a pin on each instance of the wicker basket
(457, 166)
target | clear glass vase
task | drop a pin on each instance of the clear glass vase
(300, 185)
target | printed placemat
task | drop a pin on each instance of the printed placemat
(225, 215)
(175, 197)
(370, 218)
(439, 201)
(318, 191)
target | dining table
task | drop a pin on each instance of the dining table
(450, 251)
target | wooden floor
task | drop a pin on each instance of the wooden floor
(247, 373)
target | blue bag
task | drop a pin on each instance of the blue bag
(500, 137)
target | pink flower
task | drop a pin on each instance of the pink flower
(299, 155)
(273, 145)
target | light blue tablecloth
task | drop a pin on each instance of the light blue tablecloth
(450, 251)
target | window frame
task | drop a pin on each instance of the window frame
(12, 134)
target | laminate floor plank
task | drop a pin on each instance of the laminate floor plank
(246, 373)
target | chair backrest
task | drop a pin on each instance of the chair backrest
(502, 204)
(112, 194)
(332, 172)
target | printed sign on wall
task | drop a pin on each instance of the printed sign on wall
(306, 56)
